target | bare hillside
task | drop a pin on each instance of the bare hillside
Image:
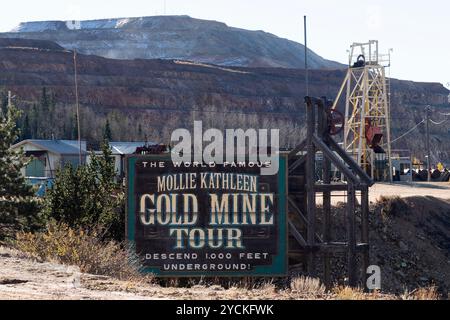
(173, 37)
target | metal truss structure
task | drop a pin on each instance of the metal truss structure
(367, 110)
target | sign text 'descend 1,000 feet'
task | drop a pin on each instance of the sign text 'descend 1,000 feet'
(210, 220)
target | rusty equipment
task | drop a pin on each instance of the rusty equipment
(374, 135)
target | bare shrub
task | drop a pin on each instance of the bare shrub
(83, 248)
(267, 288)
(307, 286)
(427, 293)
(393, 205)
(348, 293)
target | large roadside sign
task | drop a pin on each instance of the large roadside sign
(188, 220)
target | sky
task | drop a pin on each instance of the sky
(416, 30)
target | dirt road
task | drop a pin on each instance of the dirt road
(404, 190)
(439, 190)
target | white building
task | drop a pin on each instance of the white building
(49, 156)
(119, 150)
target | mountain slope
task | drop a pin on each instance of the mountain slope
(173, 37)
(150, 98)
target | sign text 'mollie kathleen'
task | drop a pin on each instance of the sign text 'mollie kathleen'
(216, 220)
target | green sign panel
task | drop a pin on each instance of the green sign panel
(189, 220)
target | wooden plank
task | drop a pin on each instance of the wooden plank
(297, 210)
(351, 236)
(334, 159)
(297, 164)
(351, 162)
(365, 230)
(297, 234)
(336, 187)
(310, 181)
(330, 187)
(297, 149)
(302, 216)
(326, 177)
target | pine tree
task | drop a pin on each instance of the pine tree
(88, 195)
(45, 101)
(4, 105)
(140, 132)
(34, 119)
(75, 127)
(107, 134)
(16, 204)
(26, 129)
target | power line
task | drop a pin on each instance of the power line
(409, 131)
(423, 120)
(438, 123)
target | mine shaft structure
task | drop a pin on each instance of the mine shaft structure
(312, 165)
(367, 110)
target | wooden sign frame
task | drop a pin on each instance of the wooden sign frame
(153, 241)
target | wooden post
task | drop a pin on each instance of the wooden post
(326, 178)
(311, 197)
(351, 236)
(365, 231)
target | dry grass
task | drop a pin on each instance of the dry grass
(306, 286)
(348, 293)
(82, 248)
(427, 293)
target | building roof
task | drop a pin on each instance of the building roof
(123, 148)
(63, 147)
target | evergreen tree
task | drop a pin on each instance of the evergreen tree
(88, 195)
(17, 205)
(4, 105)
(75, 127)
(107, 134)
(140, 132)
(26, 129)
(51, 114)
(44, 116)
(34, 118)
(64, 134)
(45, 101)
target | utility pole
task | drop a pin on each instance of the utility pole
(77, 105)
(306, 57)
(428, 110)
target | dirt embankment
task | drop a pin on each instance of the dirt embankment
(25, 279)
(410, 241)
